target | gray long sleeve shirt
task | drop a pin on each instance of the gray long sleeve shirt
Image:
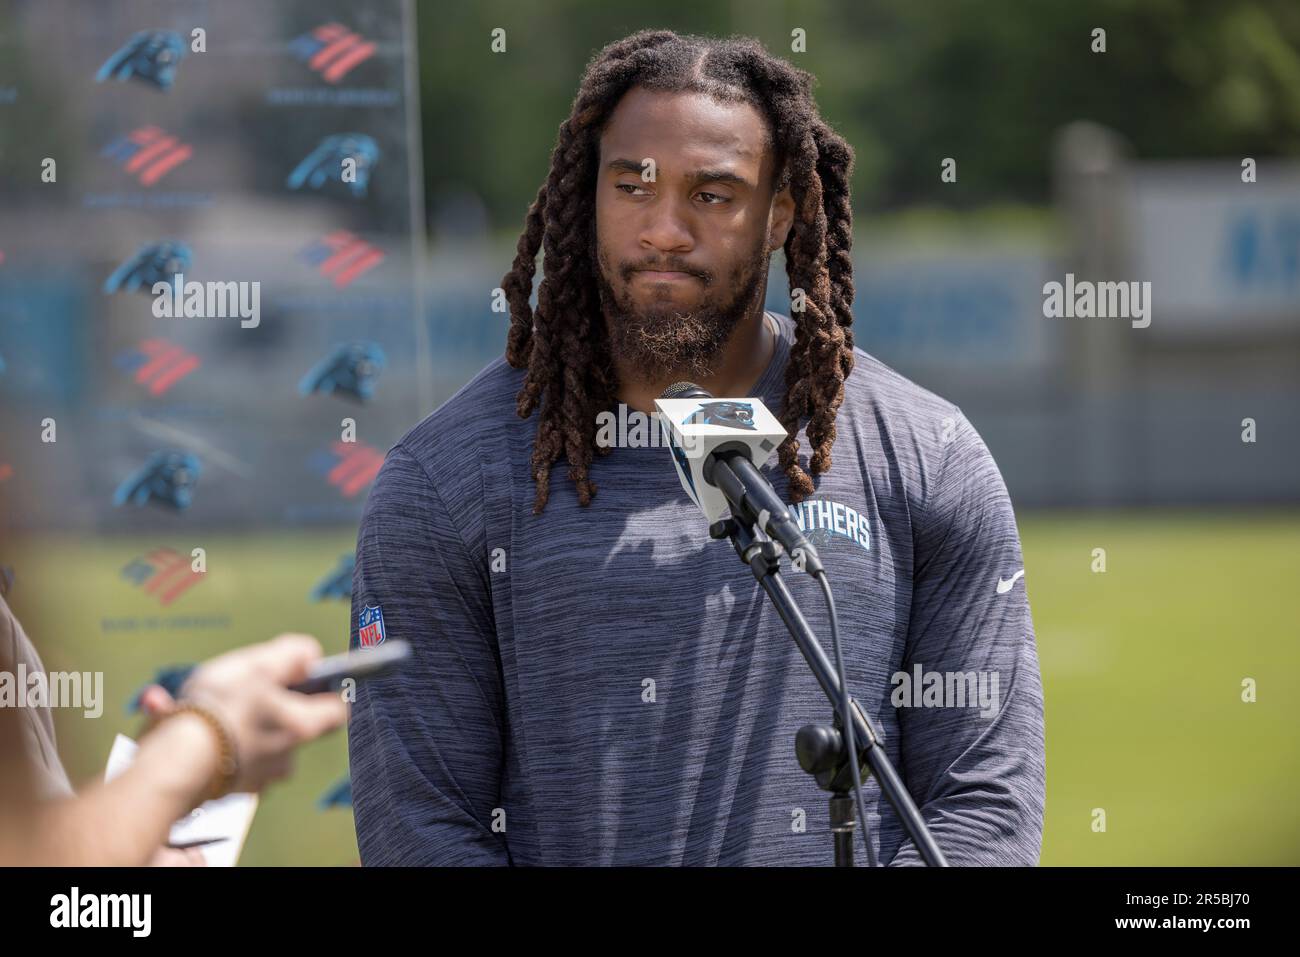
(608, 685)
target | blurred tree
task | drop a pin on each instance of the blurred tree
(987, 82)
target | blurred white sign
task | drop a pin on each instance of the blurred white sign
(1220, 254)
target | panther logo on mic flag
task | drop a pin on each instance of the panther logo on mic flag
(370, 626)
(735, 415)
(684, 470)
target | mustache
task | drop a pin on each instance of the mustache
(672, 265)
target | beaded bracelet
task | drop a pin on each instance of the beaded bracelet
(228, 761)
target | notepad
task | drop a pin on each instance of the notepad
(227, 817)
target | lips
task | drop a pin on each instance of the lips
(655, 275)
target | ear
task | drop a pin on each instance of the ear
(780, 218)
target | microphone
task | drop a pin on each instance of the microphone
(715, 445)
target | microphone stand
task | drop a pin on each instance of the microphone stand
(821, 748)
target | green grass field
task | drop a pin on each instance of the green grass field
(1142, 665)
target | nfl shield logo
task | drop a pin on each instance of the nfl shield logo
(370, 626)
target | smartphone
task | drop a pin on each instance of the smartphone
(328, 674)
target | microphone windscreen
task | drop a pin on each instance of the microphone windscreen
(686, 390)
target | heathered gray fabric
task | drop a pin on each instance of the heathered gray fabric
(525, 730)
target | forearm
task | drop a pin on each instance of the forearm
(123, 821)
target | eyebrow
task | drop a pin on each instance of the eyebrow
(698, 176)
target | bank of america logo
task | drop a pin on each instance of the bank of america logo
(158, 364)
(342, 257)
(148, 153)
(332, 50)
(163, 573)
(349, 466)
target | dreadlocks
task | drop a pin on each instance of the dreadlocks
(563, 343)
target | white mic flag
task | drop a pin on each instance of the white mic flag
(697, 427)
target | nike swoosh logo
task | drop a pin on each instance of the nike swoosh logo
(1004, 584)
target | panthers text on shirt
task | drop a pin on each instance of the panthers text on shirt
(835, 517)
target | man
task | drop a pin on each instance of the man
(595, 681)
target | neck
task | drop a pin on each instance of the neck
(744, 359)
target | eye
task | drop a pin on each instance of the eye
(626, 186)
(720, 198)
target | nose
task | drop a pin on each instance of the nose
(666, 226)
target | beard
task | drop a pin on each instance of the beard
(658, 341)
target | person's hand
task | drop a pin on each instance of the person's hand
(246, 690)
(177, 856)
